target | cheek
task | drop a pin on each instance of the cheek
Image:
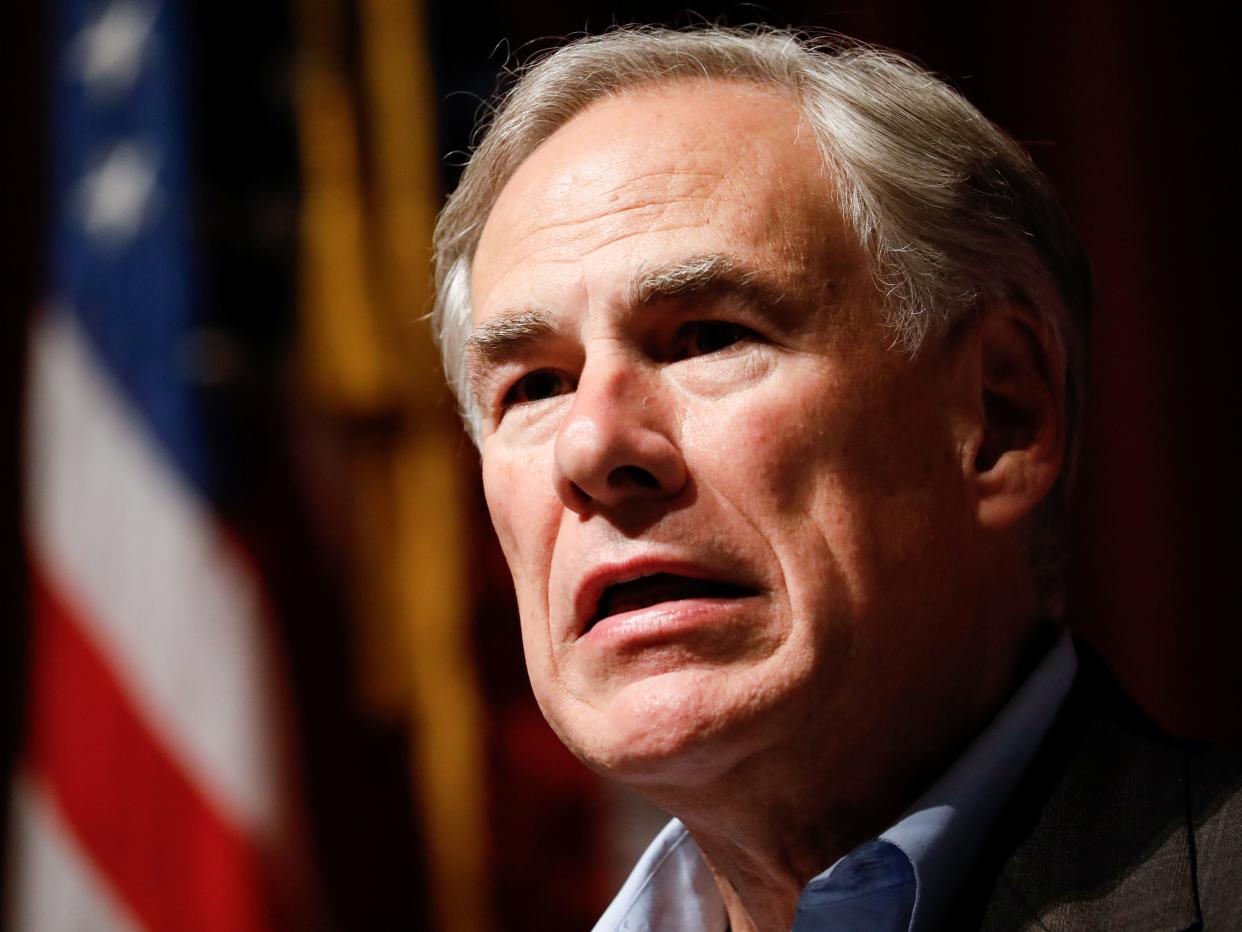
(502, 502)
(842, 479)
(524, 515)
(523, 509)
(780, 450)
(885, 495)
(784, 473)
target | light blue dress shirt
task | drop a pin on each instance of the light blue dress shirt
(902, 881)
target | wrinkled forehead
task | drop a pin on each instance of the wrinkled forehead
(733, 156)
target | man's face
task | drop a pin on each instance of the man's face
(734, 516)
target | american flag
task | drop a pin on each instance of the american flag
(150, 794)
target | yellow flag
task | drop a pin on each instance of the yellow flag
(373, 384)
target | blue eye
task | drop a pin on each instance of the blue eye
(537, 386)
(703, 337)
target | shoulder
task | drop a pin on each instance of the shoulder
(1116, 825)
(1215, 801)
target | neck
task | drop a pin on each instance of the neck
(775, 820)
(764, 843)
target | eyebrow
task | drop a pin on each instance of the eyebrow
(712, 274)
(509, 335)
(503, 338)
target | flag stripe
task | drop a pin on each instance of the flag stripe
(122, 250)
(153, 718)
(52, 882)
(173, 609)
(169, 855)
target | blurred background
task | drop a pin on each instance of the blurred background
(261, 665)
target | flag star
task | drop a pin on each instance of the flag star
(109, 52)
(116, 197)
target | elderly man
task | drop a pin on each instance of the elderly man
(773, 354)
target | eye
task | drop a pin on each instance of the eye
(536, 386)
(703, 337)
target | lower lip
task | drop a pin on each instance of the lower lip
(663, 622)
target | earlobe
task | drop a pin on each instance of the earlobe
(1019, 377)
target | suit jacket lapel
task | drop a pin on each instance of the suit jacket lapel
(1098, 833)
(1111, 848)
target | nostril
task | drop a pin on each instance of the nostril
(632, 477)
(575, 497)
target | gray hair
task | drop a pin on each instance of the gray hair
(951, 212)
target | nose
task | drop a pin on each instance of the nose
(615, 446)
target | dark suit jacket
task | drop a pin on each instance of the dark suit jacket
(1117, 826)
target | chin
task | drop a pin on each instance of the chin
(666, 729)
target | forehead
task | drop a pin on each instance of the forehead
(701, 166)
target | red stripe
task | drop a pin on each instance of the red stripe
(167, 853)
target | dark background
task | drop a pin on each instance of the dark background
(1125, 108)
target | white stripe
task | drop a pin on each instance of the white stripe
(53, 885)
(168, 602)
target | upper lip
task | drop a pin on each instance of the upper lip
(592, 585)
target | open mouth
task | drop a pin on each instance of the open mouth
(651, 590)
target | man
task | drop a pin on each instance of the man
(773, 354)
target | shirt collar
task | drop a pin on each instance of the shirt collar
(672, 888)
(941, 833)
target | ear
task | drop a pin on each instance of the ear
(1016, 374)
